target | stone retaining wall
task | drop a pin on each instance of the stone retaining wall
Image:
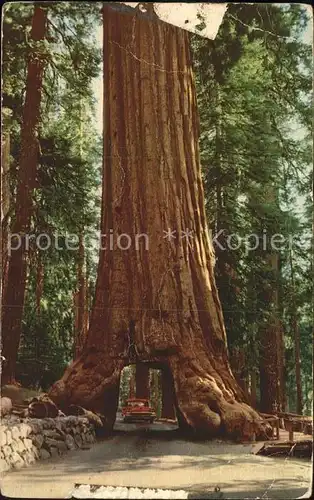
(23, 442)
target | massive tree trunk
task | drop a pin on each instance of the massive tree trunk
(157, 304)
(13, 298)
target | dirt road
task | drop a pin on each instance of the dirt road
(155, 456)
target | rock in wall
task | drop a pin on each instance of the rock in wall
(22, 443)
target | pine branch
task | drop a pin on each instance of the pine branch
(66, 43)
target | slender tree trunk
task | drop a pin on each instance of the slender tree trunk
(80, 301)
(281, 340)
(81, 298)
(281, 366)
(271, 349)
(272, 382)
(296, 338)
(155, 390)
(13, 299)
(297, 355)
(142, 381)
(156, 302)
(39, 282)
(239, 368)
(5, 202)
(253, 395)
(87, 302)
(167, 395)
(132, 385)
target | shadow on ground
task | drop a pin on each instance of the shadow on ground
(147, 458)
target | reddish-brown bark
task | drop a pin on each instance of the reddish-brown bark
(14, 293)
(5, 200)
(80, 302)
(253, 393)
(39, 282)
(272, 384)
(296, 338)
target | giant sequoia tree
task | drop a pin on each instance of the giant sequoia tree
(158, 304)
(15, 279)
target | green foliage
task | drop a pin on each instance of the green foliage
(127, 373)
(66, 197)
(253, 87)
(155, 390)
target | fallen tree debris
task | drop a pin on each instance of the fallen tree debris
(42, 407)
(80, 411)
(300, 449)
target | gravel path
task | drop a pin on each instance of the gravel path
(149, 458)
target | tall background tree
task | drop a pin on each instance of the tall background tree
(64, 190)
(14, 290)
(255, 149)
